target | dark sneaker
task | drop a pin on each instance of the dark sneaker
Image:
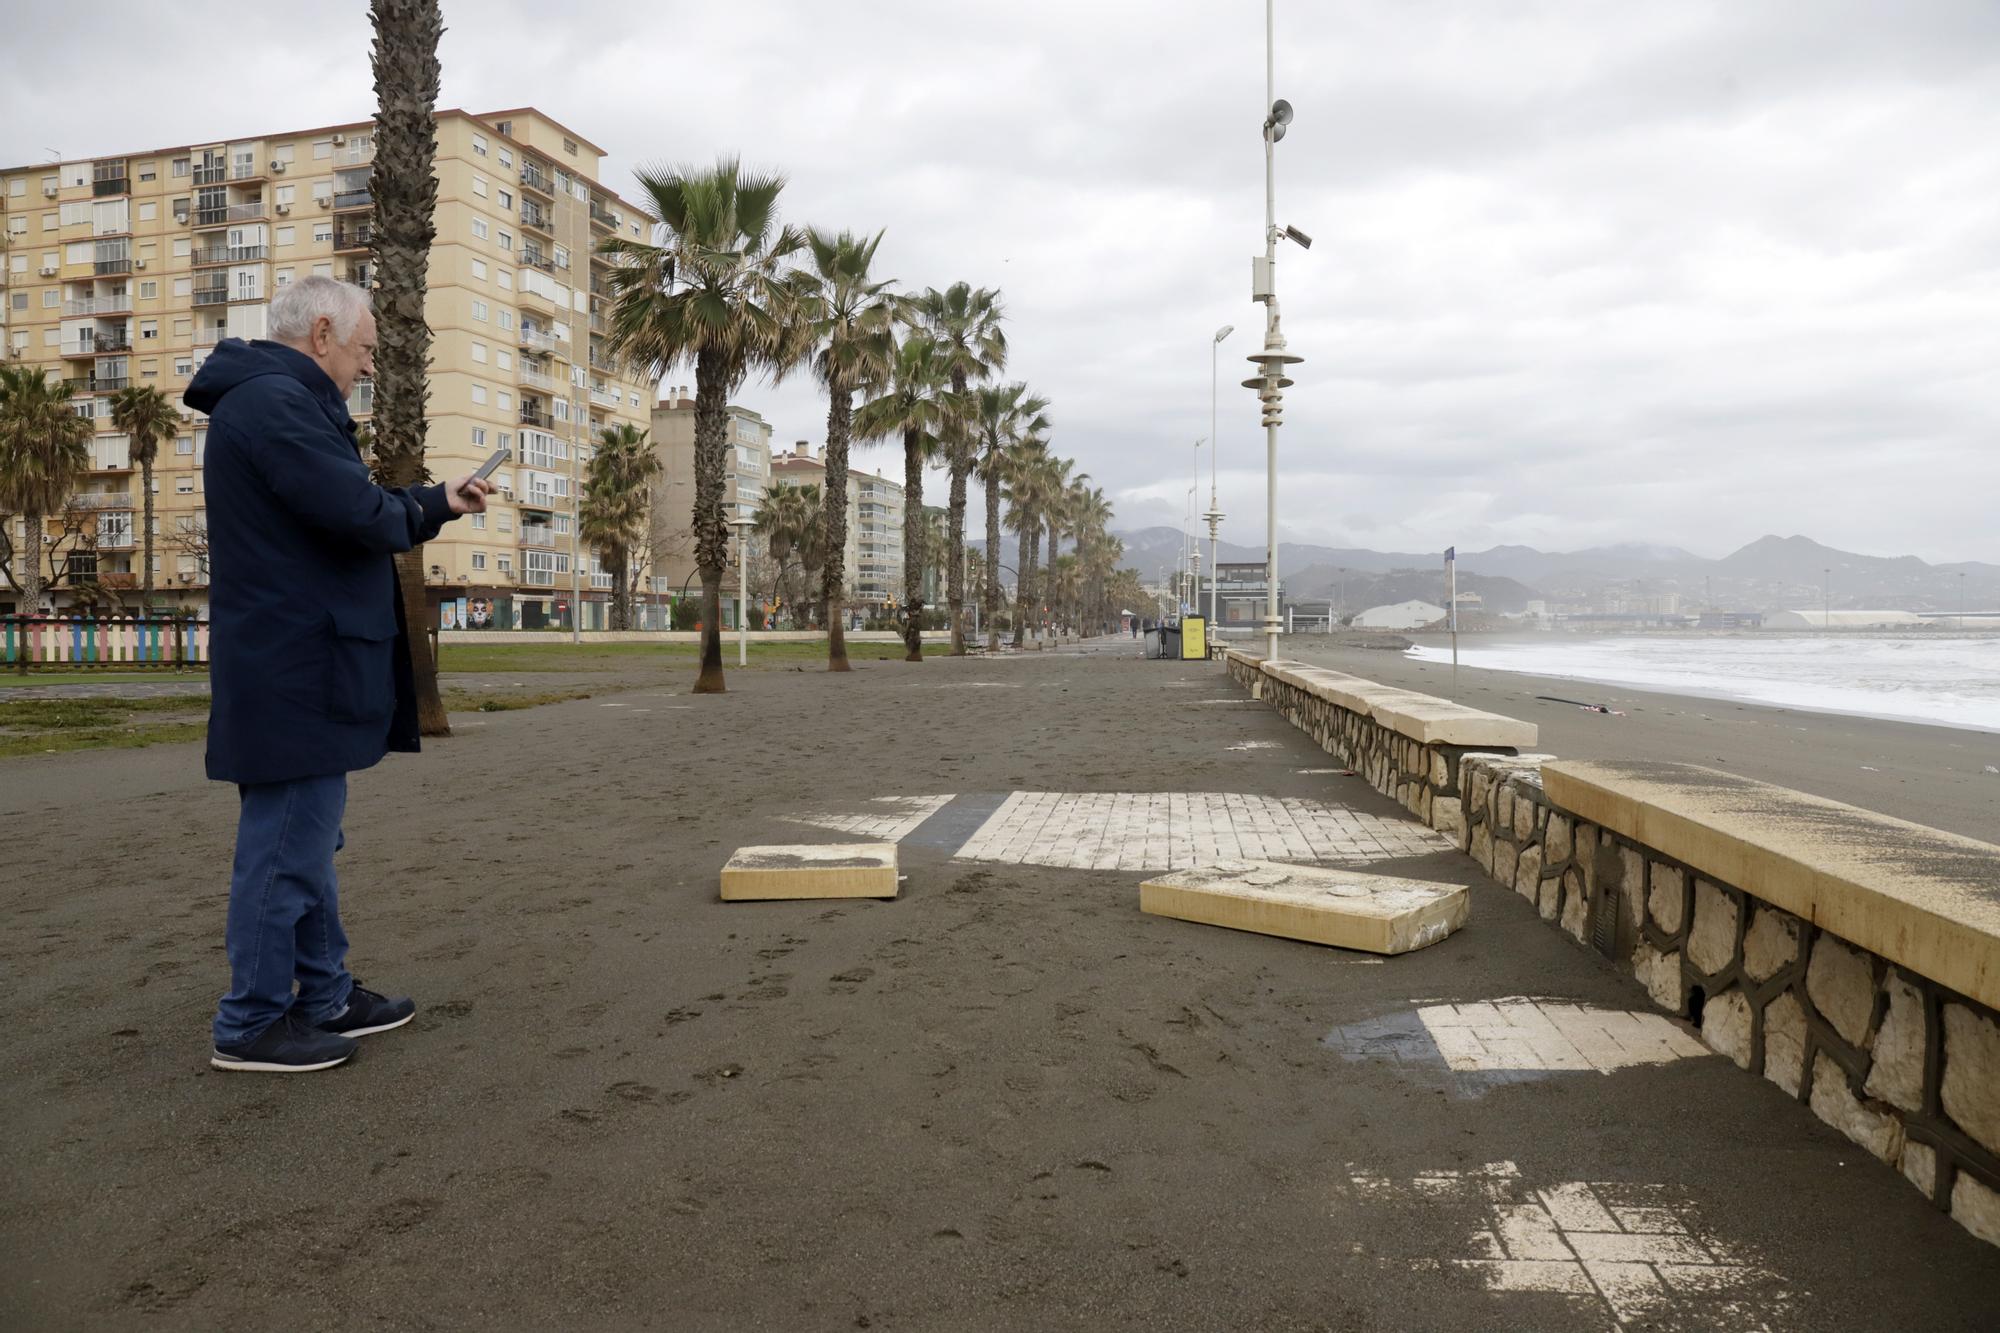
(289, 1046)
(368, 1013)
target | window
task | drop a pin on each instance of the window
(479, 394)
(506, 200)
(480, 229)
(284, 153)
(562, 257)
(180, 166)
(506, 127)
(49, 222)
(507, 159)
(479, 269)
(323, 193)
(479, 557)
(151, 171)
(183, 485)
(506, 241)
(479, 186)
(183, 247)
(182, 327)
(479, 311)
(479, 522)
(283, 278)
(506, 280)
(506, 401)
(569, 146)
(51, 297)
(479, 353)
(288, 235)
(502, 358)
(322, 149)
(148, 329)
(479, 144)
(149, 290)
(479, 437)
(183, 366)
(322, 270)
(150, 211)
(322, 233)
(506, 561)
(288, 194)
(75, 215)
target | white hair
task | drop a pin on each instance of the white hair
(299, 305)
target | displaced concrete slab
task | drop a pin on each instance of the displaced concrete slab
(1423, 718)
(812, 870)
(1918, 896)
(1348, 909)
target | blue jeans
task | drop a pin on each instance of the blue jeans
(284, 908)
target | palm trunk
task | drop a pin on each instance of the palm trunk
(839, 421)
(913, 544)
(711, 535)
(406, 71)
(992, 589)
(146, 586)
(1024, 582)
(621, 589)
(963, 455)
(32, 525)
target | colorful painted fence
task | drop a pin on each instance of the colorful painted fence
(85, 642)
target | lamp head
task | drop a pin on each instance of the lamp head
(1224, 332)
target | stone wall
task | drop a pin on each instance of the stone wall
(1905, 1067)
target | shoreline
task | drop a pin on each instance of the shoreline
(1925, 772)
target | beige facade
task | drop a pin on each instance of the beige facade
(874, 522)
(747, 472)
(129, 269)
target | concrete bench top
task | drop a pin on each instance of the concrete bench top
(1920, 897)
(1421, 717)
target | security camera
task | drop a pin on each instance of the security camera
(1305, 242)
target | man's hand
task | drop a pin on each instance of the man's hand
(468, 494)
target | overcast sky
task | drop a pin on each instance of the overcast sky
(1582, 272)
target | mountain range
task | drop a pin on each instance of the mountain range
(1768, 574)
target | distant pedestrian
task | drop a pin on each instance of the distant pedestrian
(310, 677)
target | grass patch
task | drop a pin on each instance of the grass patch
(564, 656)
(90, 711)
(100, 738)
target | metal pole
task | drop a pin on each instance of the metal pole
(742, 592)
(575, 522)
(1214, 509)
(1452, 593)
(1271, 324)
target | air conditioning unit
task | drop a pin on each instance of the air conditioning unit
(180, 217)
(138, 263)
(277, 167)
(339, 139)
(284, 210)
(48, 191)
(47, 271)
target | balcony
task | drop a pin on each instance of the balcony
(359, 275)
(210, 337)
(211, 295)
(99, 384)
(120, 341)
(98, 305)
(597, 324)
(102, 500)
(537, 338)
(230, 254)
(533, 177)
(532, 414)
(114, 541)
(538, 218)
(347, 200)
(110, 266)
(535, 377)
(546, 538)
(222, 214)
(355, 152)
(362, 401)
(600, 216)
(602, 398)
(246, 171)
(211, 173)
(355, 236)
(536, 259)
(107, 185)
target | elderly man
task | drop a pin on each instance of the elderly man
(311, 674)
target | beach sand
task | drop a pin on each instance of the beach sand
(1928, 774)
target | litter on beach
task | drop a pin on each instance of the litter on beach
(1578, 703)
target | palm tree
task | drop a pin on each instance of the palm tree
(716, 292)
(1056, 500)
(914, 405)
(1066, 585)
(616, 505)
(146, 417)
(44, 449)
(406, 72)
(936, 548)
(1023, 475)
(851, 315)
(965, 323)
(1003, 414)
(791, 521)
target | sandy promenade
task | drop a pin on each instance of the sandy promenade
(1004, 1101)
(1931, 775)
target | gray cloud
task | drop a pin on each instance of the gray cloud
(1582, 273)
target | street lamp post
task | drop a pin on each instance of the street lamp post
(1194, 542)
(743, 526)
(1826, 600)
(1214, 514)
(1271, 380)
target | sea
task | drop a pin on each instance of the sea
(1954, 682)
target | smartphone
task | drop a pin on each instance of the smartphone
(486, 469)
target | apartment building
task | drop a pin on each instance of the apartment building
(128, 269)
(874, 522)
(747, 470)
